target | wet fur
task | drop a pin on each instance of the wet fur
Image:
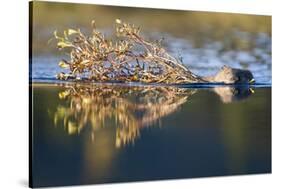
(228, 75)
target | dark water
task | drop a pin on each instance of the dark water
(88, 134)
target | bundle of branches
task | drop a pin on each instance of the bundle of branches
(129, 58)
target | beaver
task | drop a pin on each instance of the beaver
(228, 75)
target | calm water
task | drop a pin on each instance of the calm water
(93, 133)
(86, 134)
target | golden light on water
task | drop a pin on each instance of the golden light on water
(126, 109)
(103, 106)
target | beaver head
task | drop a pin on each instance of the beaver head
(230, 75)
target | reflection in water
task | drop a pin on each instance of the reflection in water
(98, 104)
(128, 108)
(231, 94)
(118, 133)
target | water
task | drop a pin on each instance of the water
(96, 133)
(87, 133)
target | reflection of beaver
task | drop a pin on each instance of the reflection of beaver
(231, 94)
(230, 75)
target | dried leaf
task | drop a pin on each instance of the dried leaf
(72, 31)
(118, 21)
(63, 64)
(63, 44)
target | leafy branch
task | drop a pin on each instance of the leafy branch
(130, 58)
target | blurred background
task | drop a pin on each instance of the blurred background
(199, 26)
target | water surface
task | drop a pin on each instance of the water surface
(88, 134)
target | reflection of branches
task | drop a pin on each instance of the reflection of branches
(131, 108)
